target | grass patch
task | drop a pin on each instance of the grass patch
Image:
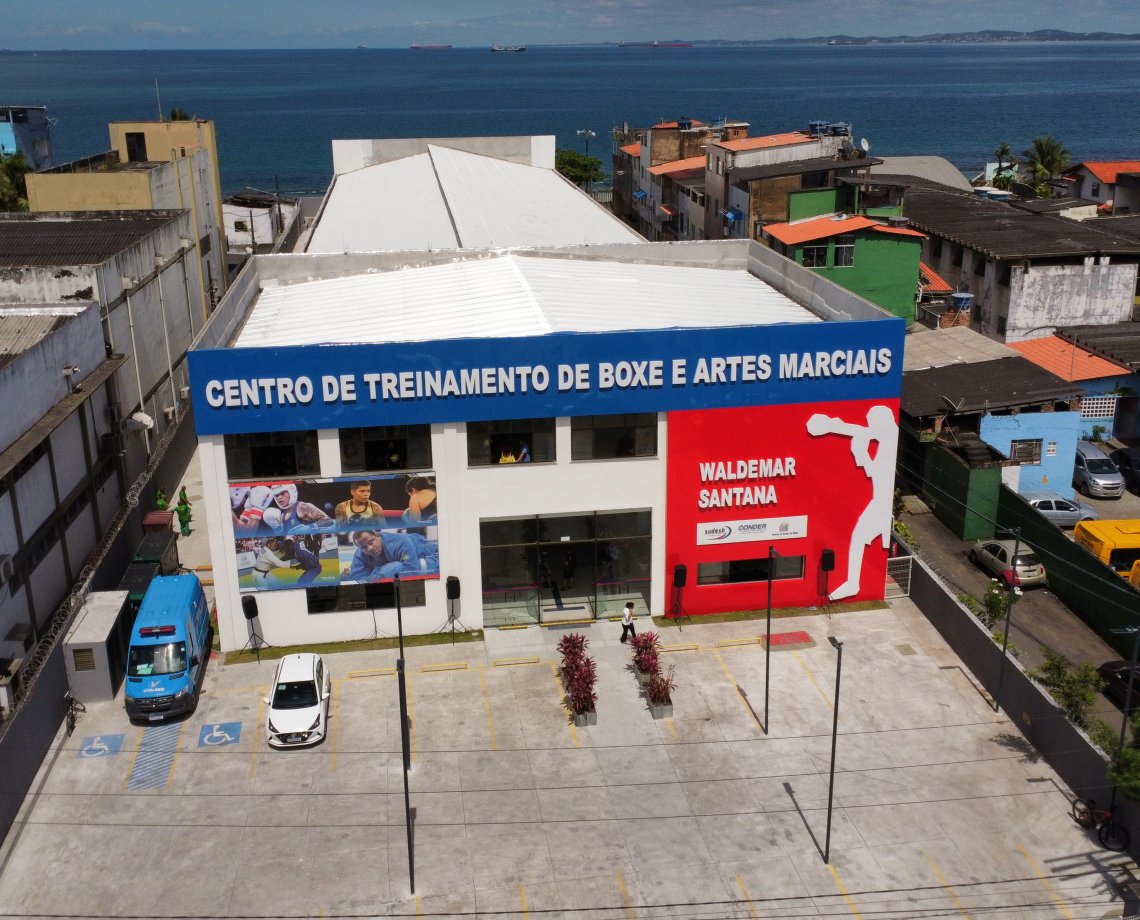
(359, 645)
(742, 616)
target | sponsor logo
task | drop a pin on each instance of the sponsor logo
(717, 533)
(747, 531)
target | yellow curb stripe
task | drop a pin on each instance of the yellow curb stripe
(625, 899)
(672, 727)
(335, 719)
(177, 751)
(562, 702)
(683, 647)
(946, 886)
(487, 710)
(811, 677)
(732, 643)
(511, 662)
(1045, 881)
(516, 626)
(747, 898)
(522, 900)
(843, 890)
(418, 906)
(444, 666)
(372, 672)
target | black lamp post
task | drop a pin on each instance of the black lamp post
(768, 634)
(405, 735)
(834, 732)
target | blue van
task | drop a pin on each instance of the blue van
(169, 647)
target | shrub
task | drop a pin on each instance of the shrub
(572, 646)
(659, 690)
(646, 651)
(579, 677)
(996, 601)
(1074, 689)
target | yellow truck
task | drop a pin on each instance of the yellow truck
(1115, 543)
(1134, 578)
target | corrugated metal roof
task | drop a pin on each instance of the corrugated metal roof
(21, 330)
(817, 228)
(512, 295)
(1066, 360)
(73, 239)
(676, 166)
(973, 388)
(451, 199)
(926, 348)
(934, 282)
(1119, 342)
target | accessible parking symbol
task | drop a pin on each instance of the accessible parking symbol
(217, 734)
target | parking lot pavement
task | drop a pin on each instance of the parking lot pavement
(941, 807)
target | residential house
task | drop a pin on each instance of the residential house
(163, 165)
(1029, 273)
(1114, 185)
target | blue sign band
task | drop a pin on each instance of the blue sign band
(245, 390)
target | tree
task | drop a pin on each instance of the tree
(1046, 159)
(177, 114)
(1006, 166)
(13, 187)
(1074, 689)
(577, 167)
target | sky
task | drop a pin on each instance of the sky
(205, 24)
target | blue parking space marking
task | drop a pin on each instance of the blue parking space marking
(219, 733)
(156, 755)
(100, 746)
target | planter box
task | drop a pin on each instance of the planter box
(661, 712)
(642, 677)
(586, 718)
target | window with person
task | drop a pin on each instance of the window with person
(526, 440)
(269, 454)
(386, 447)
(608, 437)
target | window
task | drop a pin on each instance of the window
(979, 264)
(1004, 277)
(388, 447)
(742, 570)
(719, 166)
(1027, 451)
(136, 147)
(957, 260)
(276, 453)
(337, 598)
(605, 437)
(516, 441)
(815, 256)
(1095, 191)
(936, 247)
(845, 250)
(1051, 449)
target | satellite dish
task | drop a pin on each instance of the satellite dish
(865, 144)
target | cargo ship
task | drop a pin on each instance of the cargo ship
(418, 47)
(515, 48)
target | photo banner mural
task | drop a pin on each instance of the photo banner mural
(309, 533)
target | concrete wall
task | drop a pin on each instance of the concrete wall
(532, 150)
(115, 190)
(1062, 295)
(1059, 429)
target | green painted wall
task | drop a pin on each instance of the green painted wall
(814, 203)
(964, 499)
(885, 270)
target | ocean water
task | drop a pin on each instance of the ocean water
(276, 112)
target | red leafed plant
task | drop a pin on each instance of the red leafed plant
(659, 690)
(646, 652)
(572, 646)
(579, 672)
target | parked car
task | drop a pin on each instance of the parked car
(299, 707)
(1061, 511)
(1094, 473)
(1115, 677)
(1127, 460)
(995, 555)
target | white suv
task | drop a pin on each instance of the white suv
(1095, 474)
(299, 707)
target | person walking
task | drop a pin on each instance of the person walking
(627, 621)
(183, 511)
(184, 498)
(160, 502)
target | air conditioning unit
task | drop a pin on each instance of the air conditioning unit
(169, 412)
(184, 393)
(6, 569)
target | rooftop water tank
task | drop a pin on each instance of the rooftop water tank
(962, 302)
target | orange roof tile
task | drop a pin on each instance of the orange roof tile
(933, 281)
(676, 124)
(1107, 172)
(770, 140)
(1066, 360)
(817, 228)
(634, 149)
(900, 231)
(676, 166)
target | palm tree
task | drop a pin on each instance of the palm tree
(1006, 166)
(1047, 158)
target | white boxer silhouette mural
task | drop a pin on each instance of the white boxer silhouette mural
(875, 521)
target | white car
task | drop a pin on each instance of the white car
(299, 707)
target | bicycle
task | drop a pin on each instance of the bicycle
(1112, 836)
(74, 708)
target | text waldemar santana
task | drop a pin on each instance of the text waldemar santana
(505, 381)
(743, 496)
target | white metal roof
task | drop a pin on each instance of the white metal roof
(452, 199)
(511, 295)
